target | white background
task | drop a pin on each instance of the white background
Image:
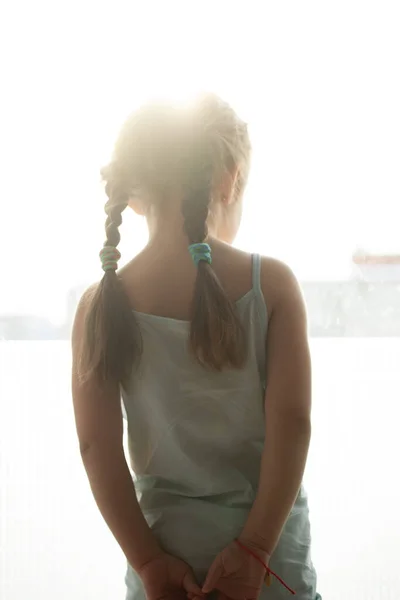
(318, 83)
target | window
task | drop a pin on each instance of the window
(318, 84)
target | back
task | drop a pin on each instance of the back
(196, 439)
(172, 403)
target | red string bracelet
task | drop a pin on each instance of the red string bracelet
(268, 570)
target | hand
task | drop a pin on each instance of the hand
(235, 574)
(168, 578)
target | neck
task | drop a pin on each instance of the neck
(166, 231)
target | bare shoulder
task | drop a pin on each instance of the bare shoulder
(280, 286)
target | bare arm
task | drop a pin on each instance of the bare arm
(99, 425)
(287, 415)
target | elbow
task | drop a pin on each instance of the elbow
(293, 425)
(88, 451)
(304, 430)
(99, 450)
(302, 423)
(84, 448)
(298, 430)
(306, 427)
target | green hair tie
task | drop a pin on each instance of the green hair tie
(109, 256)
(199, 252)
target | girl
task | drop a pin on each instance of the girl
(208, 346)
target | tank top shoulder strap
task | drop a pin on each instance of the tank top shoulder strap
(257, 291)
(260, 325)
(256, 276)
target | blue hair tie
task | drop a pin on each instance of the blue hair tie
(109, 256)
(200, 252)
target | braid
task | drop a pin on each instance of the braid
(112, 337)
(114, 208)
(195, 209)
(216, 335)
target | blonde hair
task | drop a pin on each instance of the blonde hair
(163, 152)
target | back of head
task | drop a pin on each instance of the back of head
(165, 152)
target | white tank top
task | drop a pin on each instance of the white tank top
(195, 441)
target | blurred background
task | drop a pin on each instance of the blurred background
(318, 84)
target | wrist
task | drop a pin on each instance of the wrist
(147, 559)
(257, 544)
(147, 549)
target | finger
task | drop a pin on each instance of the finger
(191, 586)
(213, 575)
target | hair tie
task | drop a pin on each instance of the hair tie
(109, 256)
(200, 252)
